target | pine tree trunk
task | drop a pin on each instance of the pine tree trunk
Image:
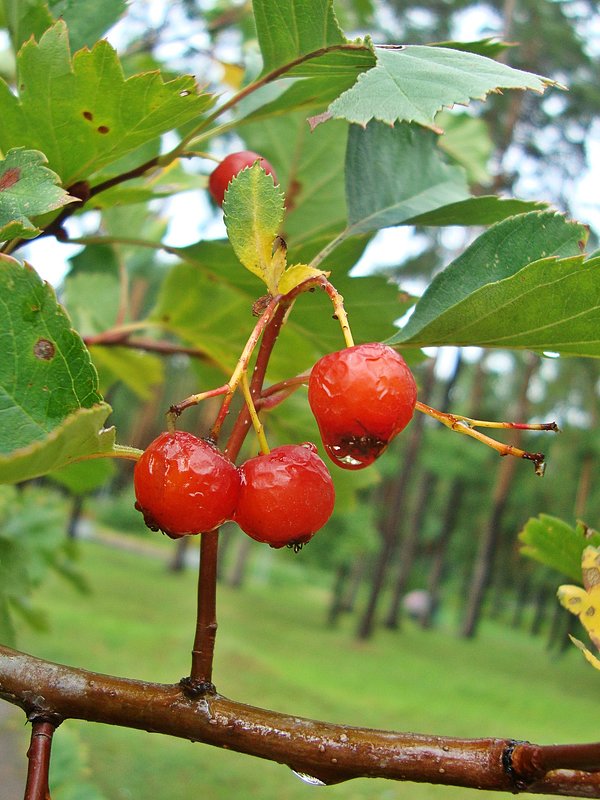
(490, 539)
(394, 496)
(340, 584)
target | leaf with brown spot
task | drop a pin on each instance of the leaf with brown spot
(27, 189)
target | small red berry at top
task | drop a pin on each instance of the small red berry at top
(361, 397)
(286, 496)
(185, 485)
(221, 177)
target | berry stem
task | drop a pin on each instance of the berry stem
(339, 312)
(178, 408)
(467, 426)
(276, 393)
(206, 620)
(242, 364)
(258, 426)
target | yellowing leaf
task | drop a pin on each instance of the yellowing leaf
(585, 603)
(595, 662)
(294, 276)
(253, 209)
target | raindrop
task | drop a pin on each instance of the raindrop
(309, 779)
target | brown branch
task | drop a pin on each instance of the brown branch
(330, 753)
(39, 760)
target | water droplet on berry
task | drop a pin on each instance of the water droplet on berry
(309, 779)
(351, 462)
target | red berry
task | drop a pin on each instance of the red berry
(184, 485)
(361, 397)
(229, 168)
(285, 496)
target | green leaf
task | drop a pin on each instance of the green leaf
(468, 142)
(554, 543)
(414, 82)
(83, 477)
(288, 29)
(396, 174)
(141, 372)
(87, 20)
(91, 318)
(513, 288)
(26, 18)
(27, 189)
(253, 208)
(310, 168)
(483, 210)
(52, 412)
(82, 113)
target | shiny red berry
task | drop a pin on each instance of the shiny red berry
(184, 485)
(361, 397)
(285, 496)
(230, 166)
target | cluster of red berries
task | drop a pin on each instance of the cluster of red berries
(361, 397)
(185, 485)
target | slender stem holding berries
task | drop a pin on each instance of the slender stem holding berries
(242, 364)
(200, 679)
(258, 426)
(206, 624)
(278, 392)
(38, 757)
(465, 425)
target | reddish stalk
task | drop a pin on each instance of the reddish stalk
(200, 680)
(39, 761)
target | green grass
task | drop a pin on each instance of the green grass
(273, 650)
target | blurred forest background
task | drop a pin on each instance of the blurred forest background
(429, 537)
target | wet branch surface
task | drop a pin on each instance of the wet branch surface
(330, 753)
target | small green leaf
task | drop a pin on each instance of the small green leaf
(51, 410)
(552, 542)
(310, 167)
(82, 113)
(288, 29)
(414, 82)
(27, 189)
(253, 209)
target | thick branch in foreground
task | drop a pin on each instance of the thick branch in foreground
(327, 752)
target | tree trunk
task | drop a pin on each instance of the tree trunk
(491, 535)
(336, 607)
(238, 571)
(177, 563)
(438, 564)
(394, 501)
